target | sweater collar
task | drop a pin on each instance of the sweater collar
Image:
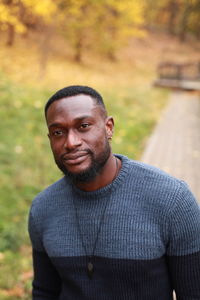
(118, 181)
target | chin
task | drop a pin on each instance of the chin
(84, 176)
(77, 173)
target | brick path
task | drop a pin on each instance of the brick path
(175, 143)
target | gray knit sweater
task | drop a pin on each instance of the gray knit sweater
(148, 244)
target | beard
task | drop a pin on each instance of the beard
(96, 165)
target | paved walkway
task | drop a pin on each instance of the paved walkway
(175, 143)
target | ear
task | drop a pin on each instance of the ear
(109, 123)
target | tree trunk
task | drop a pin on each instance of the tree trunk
(11, 35)
(78, 47)
(46, 33)
(173, 10)
(184, 21)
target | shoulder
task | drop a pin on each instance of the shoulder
(156, 186)
(161, 195)
(45, 209)
(150, 175)
(49, 197)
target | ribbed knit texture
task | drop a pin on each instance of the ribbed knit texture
(150, 234)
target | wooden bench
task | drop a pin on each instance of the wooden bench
(178, 76)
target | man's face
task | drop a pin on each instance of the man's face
(78, 133)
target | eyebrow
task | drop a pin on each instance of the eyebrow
(57, 124)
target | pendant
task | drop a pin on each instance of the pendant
(90, 269)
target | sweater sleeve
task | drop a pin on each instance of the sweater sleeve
(183, 253)
(46, 281)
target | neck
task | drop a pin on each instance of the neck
(105, 177)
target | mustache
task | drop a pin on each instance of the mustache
(83, 151)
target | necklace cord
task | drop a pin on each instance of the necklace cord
(103, 215)
(101, 220)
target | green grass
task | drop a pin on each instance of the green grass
(27, 165)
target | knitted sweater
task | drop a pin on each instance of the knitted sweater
(148, 244)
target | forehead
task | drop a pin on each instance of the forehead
(73, 107)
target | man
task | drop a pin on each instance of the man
(111, 228)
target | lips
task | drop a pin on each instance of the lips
(76, 158)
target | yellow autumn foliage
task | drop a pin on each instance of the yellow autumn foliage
(100, 25)
(8, 16)
(11, 13)
(103, 25)
(44, 8)
(118, 21)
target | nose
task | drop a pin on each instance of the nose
(72, 141)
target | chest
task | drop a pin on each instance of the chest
(121, 233)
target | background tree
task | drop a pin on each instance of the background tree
(177, 17)
(19, 16)
(189, 19)
(115, 23)
(102, 25)
(9, 19)
(76, 21)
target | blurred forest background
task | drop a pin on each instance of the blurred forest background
(113, 46)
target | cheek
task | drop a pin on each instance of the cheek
(100, 143)
(56, 147)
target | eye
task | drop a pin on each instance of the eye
(84, 125)
(57, 133)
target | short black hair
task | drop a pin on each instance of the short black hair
(74, 90)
